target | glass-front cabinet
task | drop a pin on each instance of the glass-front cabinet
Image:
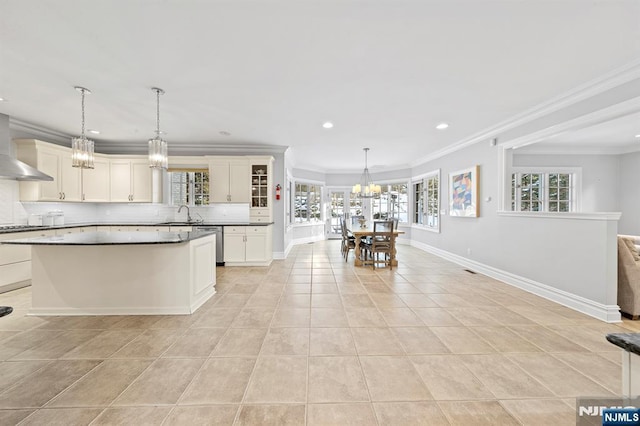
(261, 175)
(259, 186)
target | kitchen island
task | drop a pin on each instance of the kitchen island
(121, 273)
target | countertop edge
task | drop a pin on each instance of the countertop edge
(183, 237)
(82, 225)
(628, 341)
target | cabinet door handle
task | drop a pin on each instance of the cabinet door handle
(64, 195)
(59, 195)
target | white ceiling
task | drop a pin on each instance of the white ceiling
(271, 72)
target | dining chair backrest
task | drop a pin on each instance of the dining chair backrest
(395, 223)
(383, 226)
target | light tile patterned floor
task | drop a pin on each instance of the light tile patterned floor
(313, 340)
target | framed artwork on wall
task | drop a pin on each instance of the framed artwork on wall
(463, 192)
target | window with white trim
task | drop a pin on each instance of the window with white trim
(307, 203)
(544, 191)
(392, 203)
(432, 210)
(189, 187)
(418, 202)
(426, 194)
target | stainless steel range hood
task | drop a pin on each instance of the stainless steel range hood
(10, 167)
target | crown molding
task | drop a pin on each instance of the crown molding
(600, 116)
(615, 78)
(568, 150)
(39, 132)
(189, 149)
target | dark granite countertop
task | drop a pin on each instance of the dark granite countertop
(27, 228)
(112, 238)
(628, 341)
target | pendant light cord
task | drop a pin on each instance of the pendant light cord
(82, 132)
(158, 112)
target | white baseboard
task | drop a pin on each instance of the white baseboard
(202, 298)
(608, 313)
(177, 310)
(265, 263)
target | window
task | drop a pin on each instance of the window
(543, 191)
(427, 201)
(393, 203)
(307, 203)
(418, 204)
(189, 187)
(433, 201)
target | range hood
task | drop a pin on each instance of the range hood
(11, 168)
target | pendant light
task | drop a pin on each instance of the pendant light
(157, 147)
(82, 148)
(366, 188)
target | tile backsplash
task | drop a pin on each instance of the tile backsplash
(128, 213)
(14, 212)
(11, 211)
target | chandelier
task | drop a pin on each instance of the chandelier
(82, 148)
(366, 188)
(157, 147)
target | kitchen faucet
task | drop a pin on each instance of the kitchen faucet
(188, 212)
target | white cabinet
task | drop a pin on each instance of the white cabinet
(248, 245)
(262, 193)
(95, 182)
(15, 260)
(75, 230)
(54, 161)
(113, 178)
(229, 180)
(130, 180)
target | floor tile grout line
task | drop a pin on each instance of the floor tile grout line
(257, 358)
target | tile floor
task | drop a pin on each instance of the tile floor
(313, 340)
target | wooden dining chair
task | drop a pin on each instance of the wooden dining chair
(382, 242)
(348, 241)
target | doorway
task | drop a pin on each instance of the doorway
(341, 203)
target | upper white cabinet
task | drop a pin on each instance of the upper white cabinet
(229, 179)
(261, 175)
(95, 182)
(54, 161)
(113, 178)
(130, 180)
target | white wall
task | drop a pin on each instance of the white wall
(572, 256)
(600, 176)
(629, 194)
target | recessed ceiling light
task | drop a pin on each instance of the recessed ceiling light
(224, 133)
(638, 136)
(95, 132)
(2, 99)
(327, 125)
(442, 126)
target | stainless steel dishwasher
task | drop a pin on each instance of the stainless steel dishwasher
(219, 241)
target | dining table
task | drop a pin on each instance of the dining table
(361, 233)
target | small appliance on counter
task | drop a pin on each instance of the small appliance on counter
(35, 220)
(47, 219)
(57, 217)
